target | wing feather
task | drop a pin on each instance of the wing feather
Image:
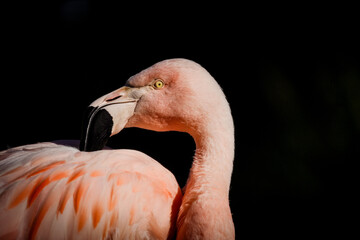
(49, 191)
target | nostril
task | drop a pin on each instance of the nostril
(114, 98)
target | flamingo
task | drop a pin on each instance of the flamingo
(52, 191)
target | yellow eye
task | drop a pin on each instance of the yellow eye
(158, 84)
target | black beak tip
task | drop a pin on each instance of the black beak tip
(96, 129)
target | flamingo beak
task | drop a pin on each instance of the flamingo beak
(107, 116)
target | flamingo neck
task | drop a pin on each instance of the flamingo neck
(205, 209)
(212, 166)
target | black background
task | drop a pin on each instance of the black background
(290, 73)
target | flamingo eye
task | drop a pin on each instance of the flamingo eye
(158, 84)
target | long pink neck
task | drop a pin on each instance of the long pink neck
(205, 209)
(213, 163)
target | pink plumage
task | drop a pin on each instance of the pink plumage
(50, 191)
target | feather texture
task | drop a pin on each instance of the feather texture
(49, 191)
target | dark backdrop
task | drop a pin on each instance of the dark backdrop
(290, 73)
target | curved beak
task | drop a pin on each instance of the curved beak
(107, 116)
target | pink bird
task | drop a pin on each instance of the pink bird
(51, 191)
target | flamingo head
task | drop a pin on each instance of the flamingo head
(172, 95)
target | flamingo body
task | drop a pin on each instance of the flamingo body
(50, 191)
